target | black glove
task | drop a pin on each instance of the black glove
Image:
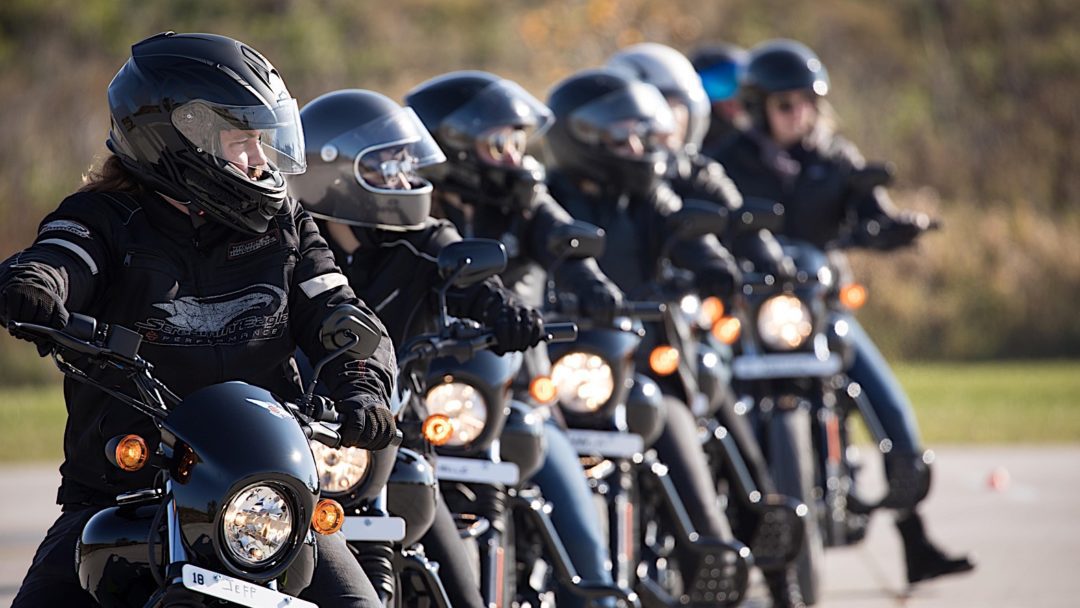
(28, 303)
(601, 303)
(717, 279)
(366, 425)
(893, 233)
(516, 328)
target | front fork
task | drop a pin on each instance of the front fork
(491, 504)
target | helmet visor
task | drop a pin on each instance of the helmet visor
(635, 122)
(721, 81)
(392, 149)
(250, 138)
(500, 104)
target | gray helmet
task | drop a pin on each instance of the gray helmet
(364, 151)
(672, 73)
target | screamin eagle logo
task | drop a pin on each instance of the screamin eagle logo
(257, 312)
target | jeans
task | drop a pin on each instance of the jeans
(884, 392)
(574, 515)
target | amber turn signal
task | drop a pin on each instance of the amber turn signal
(713, 309)
(438, 429)
(727, 330)
(131, 453)
(853, 295)
(542, 388)
(328, 517)
(664, 360)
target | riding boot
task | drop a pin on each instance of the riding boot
(924, 560)
(784, 588)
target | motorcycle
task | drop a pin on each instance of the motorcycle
(614, 414)
(790, 371)
(231, 524)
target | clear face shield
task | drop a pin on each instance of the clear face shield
(500, 122)
(250, 140)
(634, 123)
(393, 149)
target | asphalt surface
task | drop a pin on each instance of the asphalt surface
(1024, 530)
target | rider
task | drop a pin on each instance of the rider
(189, 217)
(721, 67)
(792, 154)
(492, 188)
(362, 182)
(692, 175)
(609, 151)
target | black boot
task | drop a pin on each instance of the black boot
(924, 560)
(784, 588)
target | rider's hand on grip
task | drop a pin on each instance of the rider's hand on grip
(717, 279)
(28, 303)
(367, 426)
(601, 303)
(517, 328)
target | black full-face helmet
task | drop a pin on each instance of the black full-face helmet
(672, 73)
(612, 129)
(364, 154)
(484, 123)
(781, 65)
(207, 121)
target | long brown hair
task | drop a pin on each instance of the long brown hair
(111, 176)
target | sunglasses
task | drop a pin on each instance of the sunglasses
(506, 145)
(788, 105)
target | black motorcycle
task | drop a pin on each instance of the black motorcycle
(614, 415)
(233, 524)
(790, 372)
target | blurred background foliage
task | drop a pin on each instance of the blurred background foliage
(976, 101)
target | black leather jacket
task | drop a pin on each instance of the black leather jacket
(525, 234)
(397, 273)
(636, 232)
(212, 305)
(813, 184)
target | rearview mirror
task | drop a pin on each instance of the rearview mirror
(871, 176)
(472, 260)
(347, 321)
(697, 218)
(576, 240)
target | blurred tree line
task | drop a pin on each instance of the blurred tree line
(974, 100)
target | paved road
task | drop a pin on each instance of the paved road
(1027, 535)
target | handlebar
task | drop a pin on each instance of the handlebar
(120, 344)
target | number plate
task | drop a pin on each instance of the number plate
(237, 591)
(609, 444)
(790, 365)
(372, 529)
(472, 470)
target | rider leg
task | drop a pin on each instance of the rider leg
(52, 579)
(574, 513)
(906, 466)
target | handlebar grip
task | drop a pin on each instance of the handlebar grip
(323, 434)
(560, 332)
(646, 311)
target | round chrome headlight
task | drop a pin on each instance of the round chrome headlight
(784, 322)
(257, 524)
(464, 406)
(341, 469)
(584, 382)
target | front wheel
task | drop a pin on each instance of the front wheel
(792, 463)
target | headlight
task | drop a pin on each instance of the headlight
(464, 406)
(584, 382)
(257, 524)
(784, 322)
(340, 470)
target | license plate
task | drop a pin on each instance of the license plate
(609, 444)
(237, 591)
(371, 529)
(472, 470)
(786, 365)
